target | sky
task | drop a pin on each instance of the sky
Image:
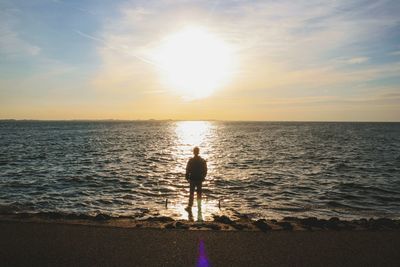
(288, 60)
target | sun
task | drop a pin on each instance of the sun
(194, 62)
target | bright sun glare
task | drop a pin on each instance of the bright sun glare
(194, 62)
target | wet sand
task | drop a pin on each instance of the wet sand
(63, 244)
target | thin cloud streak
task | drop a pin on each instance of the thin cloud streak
(357, 60)
(11, 43)
(120, 48)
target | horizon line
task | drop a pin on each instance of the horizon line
(177, 120)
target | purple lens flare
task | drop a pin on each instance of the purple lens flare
(202, 260)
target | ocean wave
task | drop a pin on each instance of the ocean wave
(118, 168)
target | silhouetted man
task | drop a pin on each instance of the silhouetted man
(196, 171)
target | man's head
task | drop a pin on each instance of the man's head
(196, 151)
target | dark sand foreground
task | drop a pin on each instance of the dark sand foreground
(58, 244)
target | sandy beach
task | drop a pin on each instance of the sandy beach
(63, 243)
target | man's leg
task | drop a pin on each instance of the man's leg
(199, 186)
(191, 194)
(198, 194)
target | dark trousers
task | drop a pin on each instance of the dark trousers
(195, 185)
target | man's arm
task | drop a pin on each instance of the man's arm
(205, 169)
(188, 167)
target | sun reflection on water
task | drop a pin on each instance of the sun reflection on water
(203, 211)
(192, 133)
(188, 135)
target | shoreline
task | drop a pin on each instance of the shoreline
(219, 222)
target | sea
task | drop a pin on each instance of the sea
(270, 170)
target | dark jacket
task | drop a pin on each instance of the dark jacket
(196, 169)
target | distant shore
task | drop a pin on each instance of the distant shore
(43, 240)
(178, 120)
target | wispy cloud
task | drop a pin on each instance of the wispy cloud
(357, 60)
(385, 98)
(74, 6)
(292, 55)
(11, 43)
(289, 39)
